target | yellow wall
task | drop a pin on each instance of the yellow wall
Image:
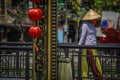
(3, 17)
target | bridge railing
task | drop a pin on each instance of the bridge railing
(16, 60)
(70, 58)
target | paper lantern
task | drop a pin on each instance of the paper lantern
(35, 31)
(35, 14)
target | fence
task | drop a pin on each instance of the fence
(108, 54)
(15, 60)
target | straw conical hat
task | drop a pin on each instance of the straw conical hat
(90, 15)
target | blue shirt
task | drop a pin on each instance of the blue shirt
(88, 35)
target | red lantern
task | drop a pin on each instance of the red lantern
(35, 14)
(35, 0)
(35, 31)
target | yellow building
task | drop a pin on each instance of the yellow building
(3, 13)
(4, 5)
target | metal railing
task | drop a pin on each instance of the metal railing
(70, 61)
(16, 60)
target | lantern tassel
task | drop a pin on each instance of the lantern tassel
(36, 47)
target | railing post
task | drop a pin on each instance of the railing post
(17, 63)
(72, 63)
(118, 62)
(79, 65)
(66, 50)
(27, 67)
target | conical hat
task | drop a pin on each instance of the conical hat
(90, 15)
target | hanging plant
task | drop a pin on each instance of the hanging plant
(35, 14)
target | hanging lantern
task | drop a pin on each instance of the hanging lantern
(35, 31)
(35, 14)
(35, 0)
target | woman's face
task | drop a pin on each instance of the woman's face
(93, 21)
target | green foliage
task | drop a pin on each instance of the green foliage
(20, 16)
(98, 5)
(109, 5)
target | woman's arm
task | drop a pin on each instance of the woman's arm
(83, 34)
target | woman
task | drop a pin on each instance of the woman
(88, 37)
